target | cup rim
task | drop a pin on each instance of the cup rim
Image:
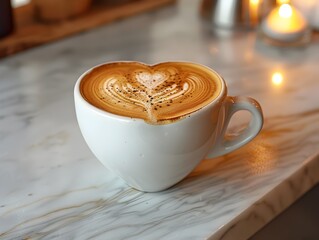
(78, 96)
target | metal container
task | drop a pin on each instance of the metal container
(236, 13)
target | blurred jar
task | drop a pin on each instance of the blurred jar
(57, 10)
(6, 18)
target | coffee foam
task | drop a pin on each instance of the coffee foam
(158, 94)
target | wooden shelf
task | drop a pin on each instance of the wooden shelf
(31, 33)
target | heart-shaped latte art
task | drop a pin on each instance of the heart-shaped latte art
(154, 93)
(151, 80)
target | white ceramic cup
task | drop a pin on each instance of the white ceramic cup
(152, 158)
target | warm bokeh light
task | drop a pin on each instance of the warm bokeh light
(277, 78)
(279, 2)
(285, 11)
(254, 11)
(254, 1)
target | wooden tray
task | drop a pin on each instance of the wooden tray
(30, 33)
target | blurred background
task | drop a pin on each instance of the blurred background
(29, 23)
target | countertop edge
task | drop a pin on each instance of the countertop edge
(272, 204)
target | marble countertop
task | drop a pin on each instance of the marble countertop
(52, 187)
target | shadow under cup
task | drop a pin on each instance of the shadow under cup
(152, 157)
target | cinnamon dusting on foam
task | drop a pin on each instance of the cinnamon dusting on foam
(159, 94)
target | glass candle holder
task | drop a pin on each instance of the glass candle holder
(285, 26)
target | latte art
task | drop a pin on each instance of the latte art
(157, 94)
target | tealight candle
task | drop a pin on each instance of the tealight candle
(285, 23)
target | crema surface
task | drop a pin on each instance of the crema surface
(160, 93)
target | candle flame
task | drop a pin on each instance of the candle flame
(277, 78)
(285, 11)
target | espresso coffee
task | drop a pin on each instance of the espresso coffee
(158, 94)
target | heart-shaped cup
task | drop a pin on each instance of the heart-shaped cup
(154, 157)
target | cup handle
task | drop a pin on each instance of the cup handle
(232, 105)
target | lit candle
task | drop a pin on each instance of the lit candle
(253, 11)
(285, 23)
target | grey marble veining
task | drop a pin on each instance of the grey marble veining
(52, 187)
